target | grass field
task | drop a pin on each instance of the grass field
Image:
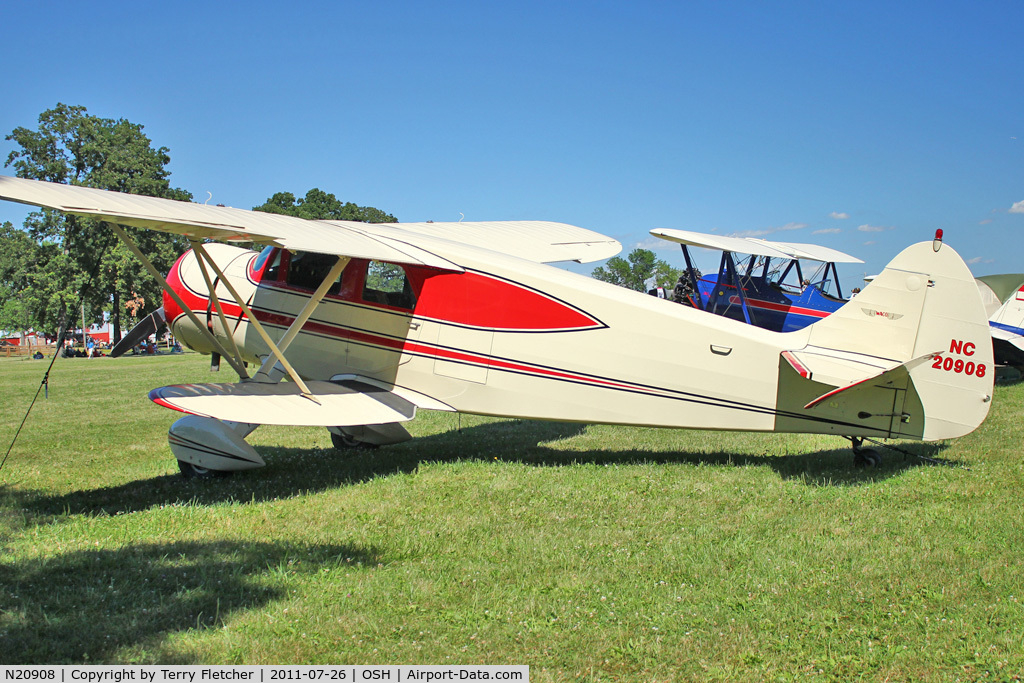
(587, 552)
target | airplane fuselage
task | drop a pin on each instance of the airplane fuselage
(531, 342)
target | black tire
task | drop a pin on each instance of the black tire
(190, 471)
(344, 442)
(867, 457)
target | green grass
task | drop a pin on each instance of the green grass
(587, 552)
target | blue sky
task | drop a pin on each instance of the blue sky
(861, 126)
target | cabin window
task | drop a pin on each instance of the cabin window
(387, 283)
(307, 270)
(274, 267)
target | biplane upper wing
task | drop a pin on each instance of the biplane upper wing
(812, 252)
(415, 243)
(756, 246)
(740, 245)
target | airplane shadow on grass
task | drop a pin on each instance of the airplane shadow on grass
(96, 606)
(298, 471)
(102, 605)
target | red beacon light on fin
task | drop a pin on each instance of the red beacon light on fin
(937, 242)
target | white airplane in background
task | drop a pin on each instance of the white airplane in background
(1003, 296)
(372, 321)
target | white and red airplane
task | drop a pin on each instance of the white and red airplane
(370, 322)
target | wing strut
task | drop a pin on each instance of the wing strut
(216, 302)
(307, 311)
(274, 350)
(132, 247)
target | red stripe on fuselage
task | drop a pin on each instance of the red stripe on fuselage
(465, 299)
(781, 308)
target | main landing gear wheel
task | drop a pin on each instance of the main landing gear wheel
(345, 442)
(865, 457)
(190, 471)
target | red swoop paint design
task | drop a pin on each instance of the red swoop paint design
(484, 301)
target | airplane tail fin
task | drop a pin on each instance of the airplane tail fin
(1007, 326)
(908, 357)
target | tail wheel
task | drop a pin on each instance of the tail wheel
(867, 457)
(864, 457)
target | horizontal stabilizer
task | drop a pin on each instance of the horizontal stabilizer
(338, 404)
(836, 367)
(892, 377)
(908, 357)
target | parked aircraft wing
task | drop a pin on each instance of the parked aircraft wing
(538, 241)
(756, 246)
(339, 404)
(200, 221)
(812, 252)
(739, 245)
(415, 243)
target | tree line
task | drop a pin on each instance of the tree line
(54, 262)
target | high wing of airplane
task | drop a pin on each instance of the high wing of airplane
(1004, 296)
(759, 281)
(355, 327)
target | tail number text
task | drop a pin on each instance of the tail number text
(959, 365)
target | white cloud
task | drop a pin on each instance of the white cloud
(869, 243)
(972, 261)
(839, 215)
(985, 222)
(827, 231)
(870, 228)
(1018, 207)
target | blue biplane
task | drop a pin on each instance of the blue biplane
(760, 282)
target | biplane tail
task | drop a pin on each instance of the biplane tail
(909, 357)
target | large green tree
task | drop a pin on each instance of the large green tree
(18, 296)
(637, 270)
(320, 205)
(79, 257)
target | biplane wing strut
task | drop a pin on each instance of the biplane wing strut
(233, 356)
(277, 350)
